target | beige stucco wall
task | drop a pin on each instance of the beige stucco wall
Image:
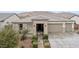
(30, 28)
(11, 19)
(15, 27)
(15, 19)
(25, 26)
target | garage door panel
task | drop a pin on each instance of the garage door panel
(55, 28)
(68, 27)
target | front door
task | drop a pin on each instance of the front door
(39, 27)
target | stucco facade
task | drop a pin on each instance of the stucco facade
(40, 22)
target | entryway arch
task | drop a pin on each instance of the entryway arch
(40, 26)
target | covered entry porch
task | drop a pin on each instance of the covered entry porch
(40, 26)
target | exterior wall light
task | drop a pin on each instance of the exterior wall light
(34, 25)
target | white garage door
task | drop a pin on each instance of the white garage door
(55, 28)
(68, 27)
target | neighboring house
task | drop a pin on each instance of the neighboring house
(76, 18)
(41, 21)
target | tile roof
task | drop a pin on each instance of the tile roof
(50, 15)
(65, 15)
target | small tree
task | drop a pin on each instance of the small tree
(8, 38)
(24, 34)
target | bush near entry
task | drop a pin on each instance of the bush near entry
(34, 42)
(46, 41)
(45, 36)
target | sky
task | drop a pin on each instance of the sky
(39, 5)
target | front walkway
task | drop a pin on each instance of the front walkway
(64, 40)
(40, 41)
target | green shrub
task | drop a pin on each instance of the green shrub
(46, 41)
(24, 34)
(8, 38)
(45, 36)
(34, 39)
(34, 42)
(46, 44)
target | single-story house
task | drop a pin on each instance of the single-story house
(39, 21)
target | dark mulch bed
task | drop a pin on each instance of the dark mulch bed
(26, 43)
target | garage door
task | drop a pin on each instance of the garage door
(55, 28)
(68, 27)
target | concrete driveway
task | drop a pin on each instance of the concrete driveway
(64, 40)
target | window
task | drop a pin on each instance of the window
(20, 26)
